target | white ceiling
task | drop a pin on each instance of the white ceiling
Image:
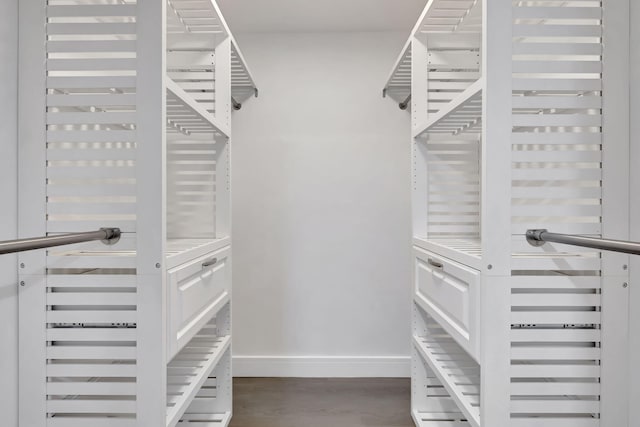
(320, 15)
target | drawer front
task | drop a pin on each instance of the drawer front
(449, 292)
(197, 290)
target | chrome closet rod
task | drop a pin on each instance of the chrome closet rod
(108, 236)
(540, 237)
(405, 104)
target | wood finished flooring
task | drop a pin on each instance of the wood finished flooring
(336, 402)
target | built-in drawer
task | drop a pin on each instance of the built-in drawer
(197, 290)
(450, 293)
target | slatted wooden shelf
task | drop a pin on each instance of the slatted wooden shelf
(242, 85)
(398, 86)
(194, 17)
(188, 20)
(462, 115)
(179, 251)
(214, 420)
(456, 370)
(86, 255)
(189, 371)
(439, 419)
(451, 16)
(464, 251)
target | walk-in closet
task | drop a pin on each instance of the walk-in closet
(339, 213)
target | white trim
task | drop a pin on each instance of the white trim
(322, 366)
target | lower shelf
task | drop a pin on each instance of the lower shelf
(439, 419)
(189, 371)
(213, 420)
(456, 370)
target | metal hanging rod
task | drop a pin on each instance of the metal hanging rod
(236, 105)
(108, 236)
(405, 104)
(540, 237)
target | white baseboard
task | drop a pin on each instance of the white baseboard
(321, 367)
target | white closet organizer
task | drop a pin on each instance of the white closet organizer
(125, 121)
(518, 116)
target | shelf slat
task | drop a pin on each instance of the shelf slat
(462, 115)
(217, 420)
(456, 391)
(439, 419)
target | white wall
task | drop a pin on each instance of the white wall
(321, 219)
(8, 213)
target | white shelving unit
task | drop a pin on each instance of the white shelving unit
(518, 117)
(125, 122)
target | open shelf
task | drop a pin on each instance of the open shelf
(186, 116)
(462, 115)
(189, 371)
(206, 420)
(439, 419)
(189, 20)
(185, 17)
(180, 251)
(464, 251)
(439, 17)
(242, 85)
(398, 86)
(446, 16)
(456, 370)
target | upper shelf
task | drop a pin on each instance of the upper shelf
(450, 16)
(462, 115)
(398, 85)
(195, 17)
(242, 84)
(199, 24)
(438, 17)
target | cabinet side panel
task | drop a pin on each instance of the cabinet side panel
(557, 182)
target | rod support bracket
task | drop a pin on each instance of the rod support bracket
(112, 236)
(534, 237)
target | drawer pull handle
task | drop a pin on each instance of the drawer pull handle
(434, 263)
(209, 262)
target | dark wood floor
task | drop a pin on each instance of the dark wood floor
(287, 402)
